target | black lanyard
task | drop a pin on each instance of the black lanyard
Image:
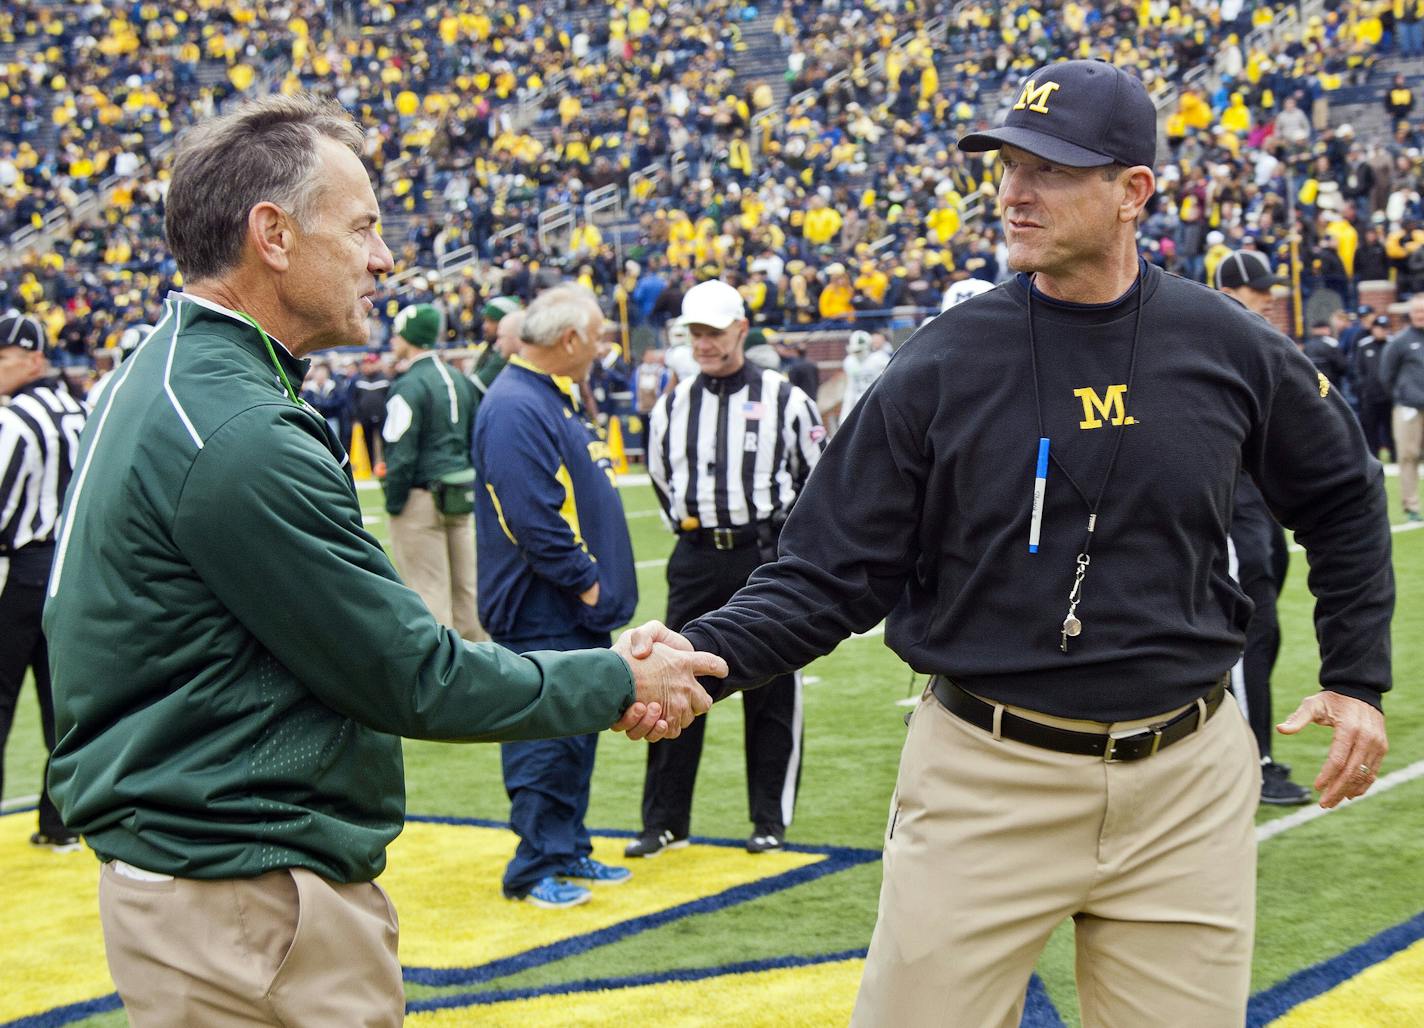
(1072, 626)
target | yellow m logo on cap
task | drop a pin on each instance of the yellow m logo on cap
(1035, 97)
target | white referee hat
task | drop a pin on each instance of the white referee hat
(713, 303)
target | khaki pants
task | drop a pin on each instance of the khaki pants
(991, 844)
(1408, 441)
(436, 557)
(287, 948)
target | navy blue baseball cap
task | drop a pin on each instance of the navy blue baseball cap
(1081, 114)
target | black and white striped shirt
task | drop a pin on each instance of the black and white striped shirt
(724, 452)
(39, 442)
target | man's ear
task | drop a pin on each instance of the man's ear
(1138, 186)
(271, 235)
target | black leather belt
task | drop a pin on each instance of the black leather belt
(726, 538)
(1112, 749)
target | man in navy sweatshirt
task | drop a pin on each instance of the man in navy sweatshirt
(1035, 496)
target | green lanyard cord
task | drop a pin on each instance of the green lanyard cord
(281, 373)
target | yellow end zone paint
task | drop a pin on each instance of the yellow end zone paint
(1389, 994)
(51, 948)
(445, 882)
(821, 994)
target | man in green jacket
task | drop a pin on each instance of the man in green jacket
(503, 320)
(429, 479)
(234, 658)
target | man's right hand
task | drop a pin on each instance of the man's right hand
(665, 680)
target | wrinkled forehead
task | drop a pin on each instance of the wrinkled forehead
(346, 184)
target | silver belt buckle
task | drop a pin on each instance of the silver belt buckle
(1114, 737)
(723, 539)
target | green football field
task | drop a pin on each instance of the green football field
(1345, 890)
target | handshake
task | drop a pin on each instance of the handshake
(665, 669)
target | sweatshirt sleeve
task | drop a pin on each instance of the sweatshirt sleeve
(803, 436)
(401, 434)
(282, 548)
(1309, 458)
(659, 474)
(1389, 365)
(845, 553)
(535, 492)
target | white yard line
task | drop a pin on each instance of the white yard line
(1271, 829)
(16, 802)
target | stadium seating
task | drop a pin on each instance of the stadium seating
(517, 142)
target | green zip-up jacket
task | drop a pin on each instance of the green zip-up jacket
(429, 414)
(487, 367)
(234, 658)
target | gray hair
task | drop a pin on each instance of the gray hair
(266, 150)
(555, 311)
(512, 324)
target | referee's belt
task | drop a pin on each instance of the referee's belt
(728, 538)
(1112, 748)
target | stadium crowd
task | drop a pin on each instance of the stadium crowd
(828, 209)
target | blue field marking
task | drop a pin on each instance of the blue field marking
(1320, 978)
(838, 858)
(1038, 1013)
(68, 1015)
(686, 974)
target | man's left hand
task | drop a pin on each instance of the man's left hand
(641, 639)
(1356, 751)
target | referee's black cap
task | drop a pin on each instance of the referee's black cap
(1081, 114)
(22, 331)
(1247, 268)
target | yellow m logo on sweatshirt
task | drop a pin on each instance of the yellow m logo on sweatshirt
(1096, 408)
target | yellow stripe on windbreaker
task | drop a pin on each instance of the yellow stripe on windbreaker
(499, 513)
(568, 510)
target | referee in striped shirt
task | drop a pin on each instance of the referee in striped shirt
(728, 453)
(39, 438)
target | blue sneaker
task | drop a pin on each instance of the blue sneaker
(552, 894)
(589, 870)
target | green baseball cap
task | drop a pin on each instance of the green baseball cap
(496, 309)
(420, 324)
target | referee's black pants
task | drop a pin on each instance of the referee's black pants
(22, 647)
(701, 579)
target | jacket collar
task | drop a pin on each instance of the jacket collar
(295, 367)
(562, 383)
(730, 383)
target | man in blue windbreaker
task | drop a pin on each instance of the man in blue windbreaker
(555, 572)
